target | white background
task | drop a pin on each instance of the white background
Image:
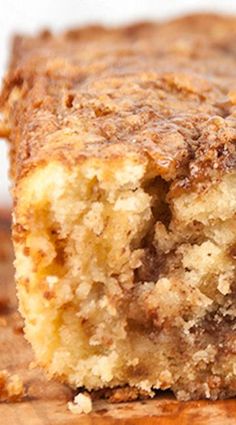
(30, 15)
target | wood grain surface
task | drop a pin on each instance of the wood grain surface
(45, 403)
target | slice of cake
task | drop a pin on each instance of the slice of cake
(123, 164)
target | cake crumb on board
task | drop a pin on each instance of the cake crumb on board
(82, 403)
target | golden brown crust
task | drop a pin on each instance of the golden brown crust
(166, 91)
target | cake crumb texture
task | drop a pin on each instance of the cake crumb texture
(81, 404)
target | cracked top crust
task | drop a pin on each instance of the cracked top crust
(163, 91)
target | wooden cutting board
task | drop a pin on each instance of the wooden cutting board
(45, 403)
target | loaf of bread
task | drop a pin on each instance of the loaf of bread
(123, 165)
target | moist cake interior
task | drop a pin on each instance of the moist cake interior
(137, 285)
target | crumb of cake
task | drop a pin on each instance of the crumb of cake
(82, 403)
(11, 387)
